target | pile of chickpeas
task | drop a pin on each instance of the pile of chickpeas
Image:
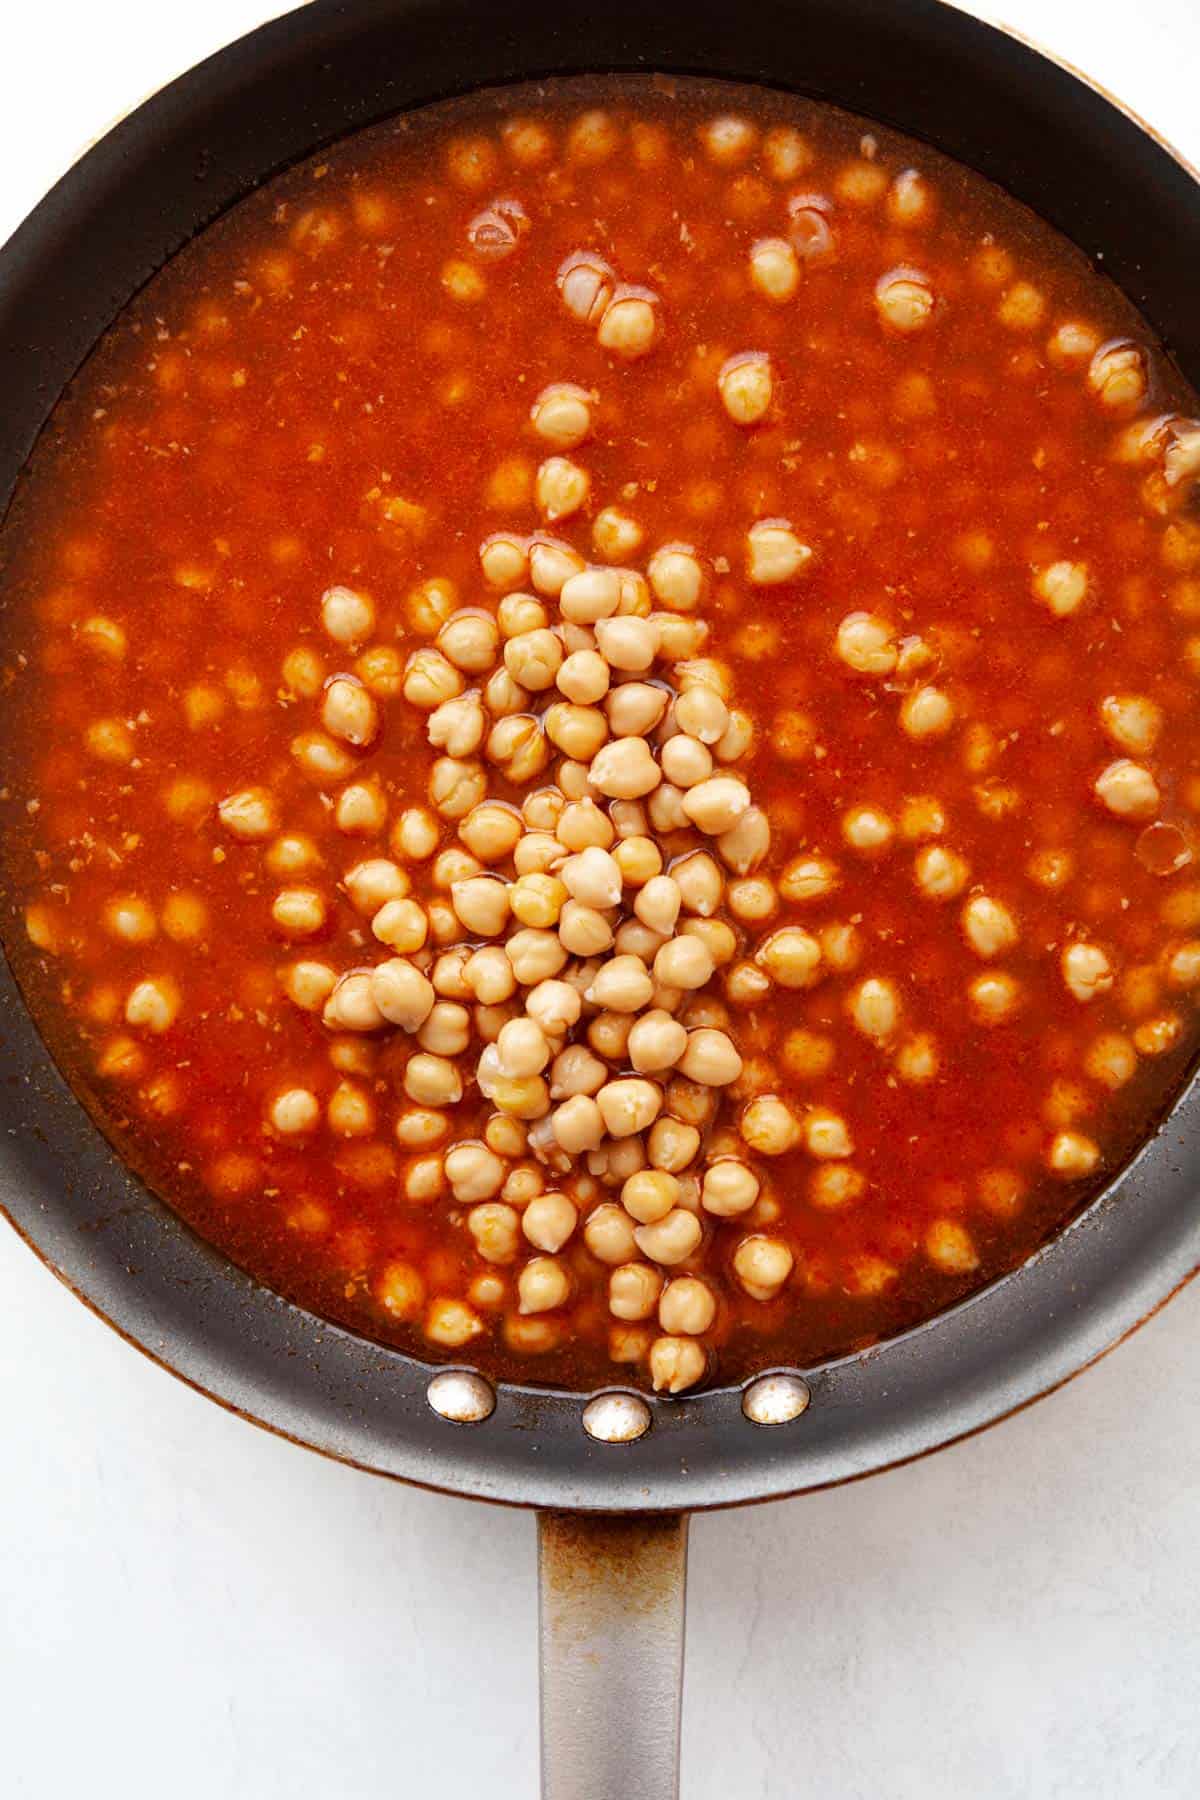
(582, 910)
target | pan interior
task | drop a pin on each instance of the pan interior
(64, 1189)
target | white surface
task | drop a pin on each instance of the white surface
(190, 1607)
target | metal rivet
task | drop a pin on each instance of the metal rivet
(616, 1418)
(461, 1396)
(775, 1399)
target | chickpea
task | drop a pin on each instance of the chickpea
(633, 1291)
(1086, 971)
(504, 560)
(1072, 1155)
(1128, 790)
(542, 1285)
(473, 1171)
(495, 1228)
(402, 995)
(128, 919)
(634, 710)
(867, 644)
(656, 1042)
(294, 1113)
(994, 998)
(941, 874)
(576, 1071)
(549, 1221)
(1183, 965)
(555, 1005)
(349, 711)
(562, 414)
(627, 643)
(761, 1265)
(730, 1187)
(715, 805)
(415, 834)
(791, 957)
(904, 300)
(700, 883)
(458, 725)
(522, 1048)
(430, 680)
(768, 1125)
(1117, 376)
(917, 1059)
(401, 1291)
(361, 809)
(561, 488)
(1111, 1060)
(628, 1105)
(608, 1234)
(746, 385)
(684, 962)
(586, 282)
(926, 713)
(834, 1186)
(1155, 1037)
(309, 984)
(623, 985)
(868, 830)
(671, 1239)
(447, 1030)
(298, 912)
(451, 1323)
(432, 1080)
(775, 269)
(350, 1111)
(649, 1195)
(533, 659)
(950, 1247)
(826, 1134)
(874, 1007)
(347, 617)
(1062, 587)
(456, 785)
(687, 1307)
(583, 677)
(402, 925)
(711, 1058)
(578, 1124)
(624, 769)
(552, 565)
(629, 324)
(615, 535)
(153, 1005)
(249, 815)
(774, 553)
(988, 926)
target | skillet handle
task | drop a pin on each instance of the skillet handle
(611, 1591)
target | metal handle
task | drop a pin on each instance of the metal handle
(611, 1592)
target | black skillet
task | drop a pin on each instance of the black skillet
(612, 1587)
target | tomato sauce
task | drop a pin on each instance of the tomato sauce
(985, 456)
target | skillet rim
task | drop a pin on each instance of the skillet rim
(207, 1322)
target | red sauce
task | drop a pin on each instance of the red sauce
(333, 386)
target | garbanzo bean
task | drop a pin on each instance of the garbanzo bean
(549, 1221)
(633, 1291)
(542, 1285)
(762, 1265)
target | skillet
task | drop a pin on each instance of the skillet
(613, 1476)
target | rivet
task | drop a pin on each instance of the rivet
(461, 1396)
(775, 1399)
(616, 1418)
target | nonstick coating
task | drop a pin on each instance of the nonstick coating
(134, 199)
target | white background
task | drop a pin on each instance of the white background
(190, 1607)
